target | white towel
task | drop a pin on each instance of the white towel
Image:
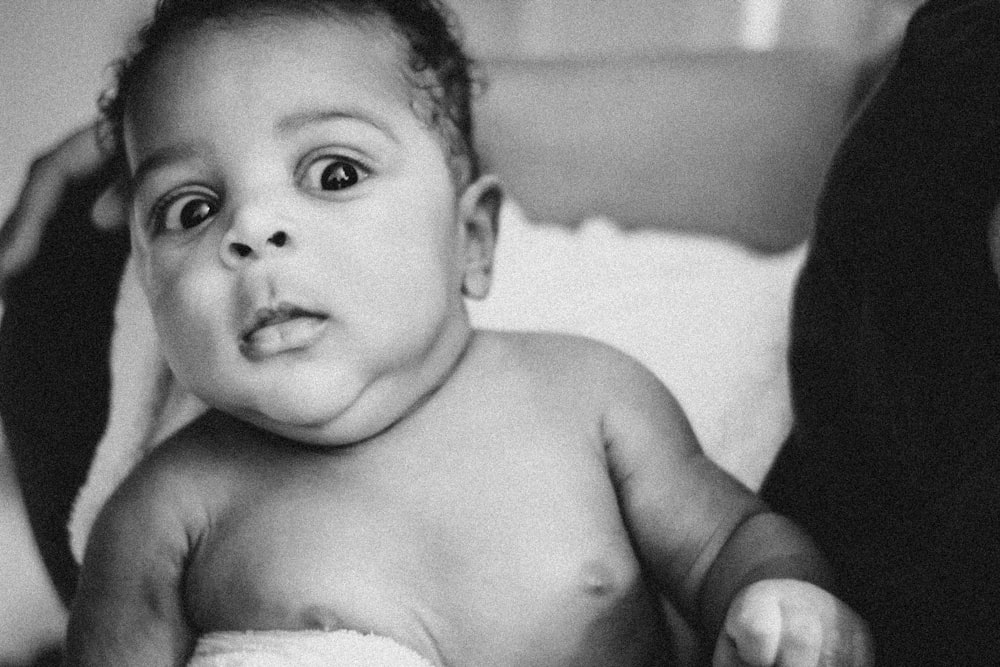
(304, 648)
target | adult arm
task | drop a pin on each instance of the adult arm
(895, 374)
(59, 273)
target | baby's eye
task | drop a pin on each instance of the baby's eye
(185, 211)
(333, 173)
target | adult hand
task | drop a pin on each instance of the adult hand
(791, 623)
(78, 157)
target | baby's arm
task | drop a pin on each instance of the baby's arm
(128, 607)
(741, 573)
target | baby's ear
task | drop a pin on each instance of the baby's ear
(479, 218)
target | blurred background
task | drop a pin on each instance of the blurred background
(53, 63)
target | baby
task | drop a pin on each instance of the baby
(308, 215)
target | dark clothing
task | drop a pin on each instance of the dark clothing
(893, 464)
(54, 370)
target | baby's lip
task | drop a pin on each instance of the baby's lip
(284, 327)
(269, 316)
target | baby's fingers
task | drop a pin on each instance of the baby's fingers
(791, 623)
(802, 642)
(751, 634)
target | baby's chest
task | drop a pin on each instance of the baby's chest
(511, 559)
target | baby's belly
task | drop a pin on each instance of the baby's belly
(551, 603)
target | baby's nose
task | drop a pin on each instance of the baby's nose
(242, 249)
(256, 227)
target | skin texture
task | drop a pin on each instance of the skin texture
(375, 464)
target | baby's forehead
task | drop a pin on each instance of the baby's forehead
(315, 34)
(382, 42)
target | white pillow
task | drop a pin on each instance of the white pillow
(707, 316)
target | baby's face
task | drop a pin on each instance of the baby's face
(297, 228)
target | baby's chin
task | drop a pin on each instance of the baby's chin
(329, 418)
(326, 425)
(321, 432)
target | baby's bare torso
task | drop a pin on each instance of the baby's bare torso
(482, 530)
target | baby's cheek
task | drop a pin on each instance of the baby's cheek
(191, 318)
(182, 282)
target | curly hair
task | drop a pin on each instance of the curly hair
(439, 69)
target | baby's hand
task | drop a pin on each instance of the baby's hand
(791, 623)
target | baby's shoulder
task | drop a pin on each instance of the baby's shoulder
(595, 377)
(576, 359)
(176, 476)
(190, 450)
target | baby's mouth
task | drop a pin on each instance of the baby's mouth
(285, 328)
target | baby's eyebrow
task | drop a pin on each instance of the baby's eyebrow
(295, 121)
(159, 159)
